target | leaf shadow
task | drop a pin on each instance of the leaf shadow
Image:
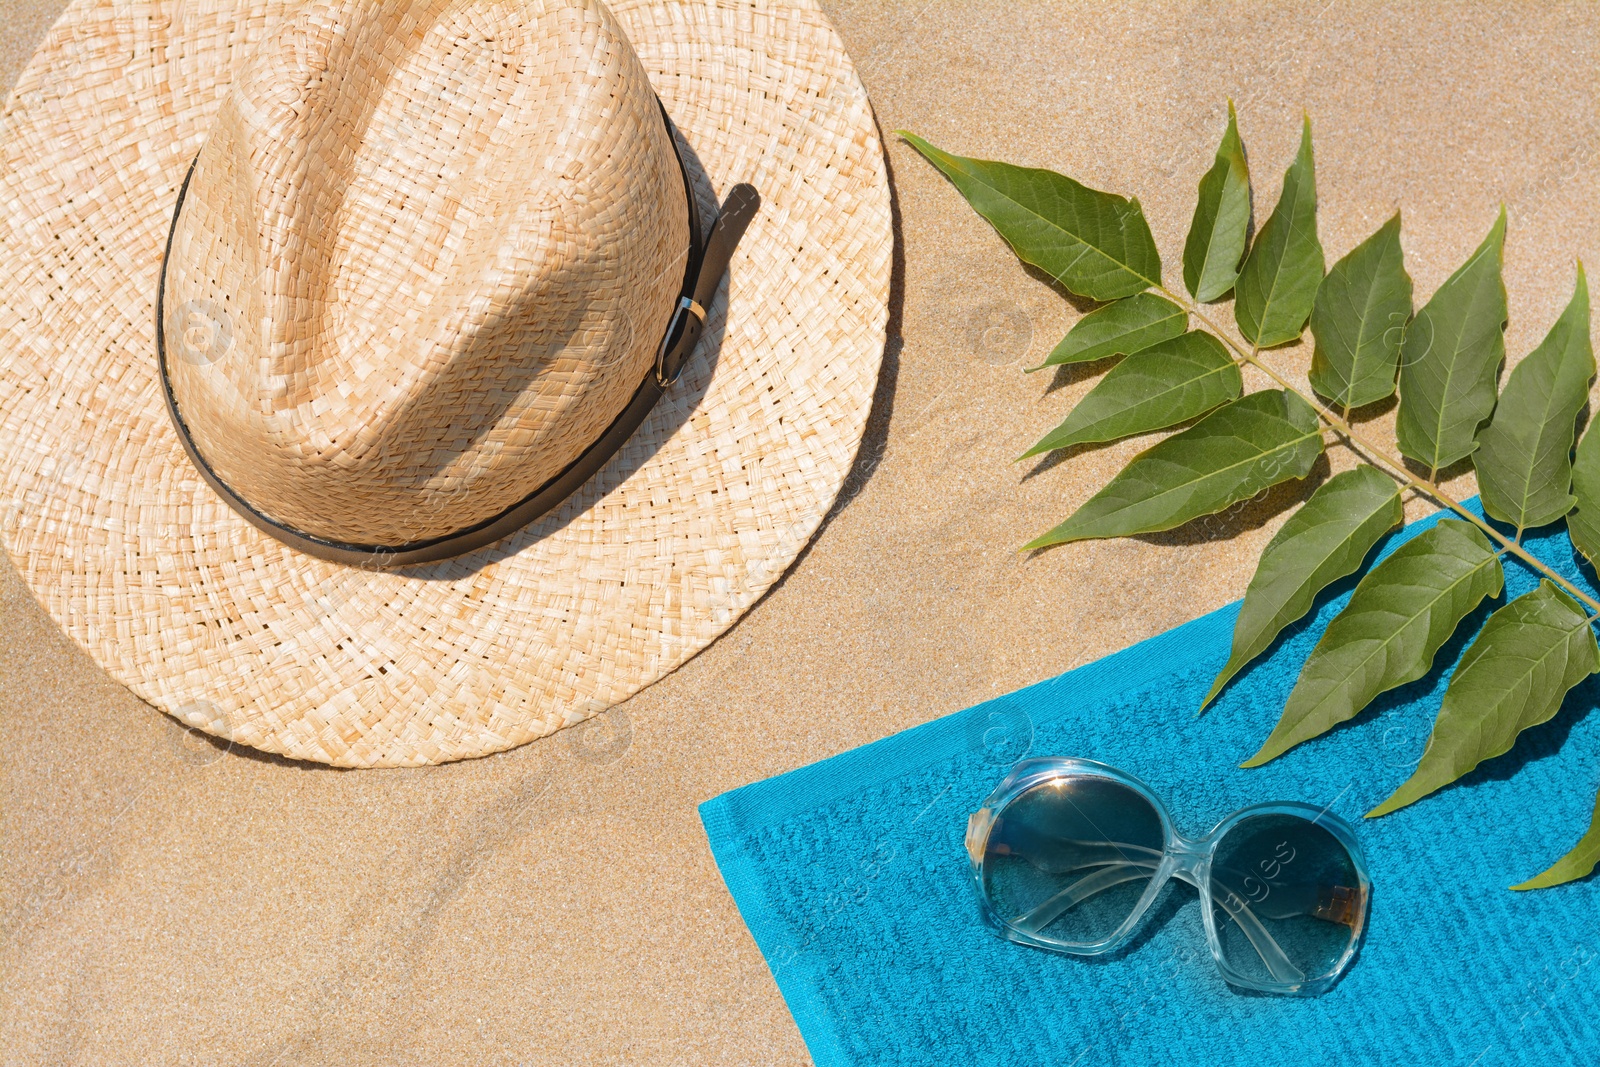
(1585, 568)
(1532, 536)
(1057, 456)
(1329, 593)
(1533, 744)
(1444, 661)
(1072, 373)
(1082, 304)
(1413, 709)
(1375, 410)
(1300, 341)
(1536, 742)
(1546, 738)
(1443, 474)
(1250, 187)
(1244, 516)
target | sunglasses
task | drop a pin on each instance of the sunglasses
(1069, 854)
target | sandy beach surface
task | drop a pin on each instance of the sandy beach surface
(165, 901)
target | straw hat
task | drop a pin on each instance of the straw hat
(424, 460)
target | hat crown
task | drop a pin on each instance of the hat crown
(424, 260)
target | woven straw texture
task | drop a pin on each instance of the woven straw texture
(445, 308)
(234, 633)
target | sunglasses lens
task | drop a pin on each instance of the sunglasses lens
(1287, 899)
(1068, 860)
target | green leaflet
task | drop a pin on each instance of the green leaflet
(1358, 320)
(1524, 455)
(1096, 244)
(1321, 543)
(1221, 223)
(1520, 666)
(1119, 329)
(1231, 454)
(1162, 386)
(1575, 864)
(1451, 354)
(1400, 614)
(1279, 279)
(1584, 524)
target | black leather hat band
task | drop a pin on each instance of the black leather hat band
(707, 262)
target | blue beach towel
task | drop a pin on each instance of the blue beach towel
(852, 877)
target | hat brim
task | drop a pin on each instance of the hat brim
(216, 623)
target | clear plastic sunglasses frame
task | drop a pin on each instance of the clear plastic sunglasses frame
(1182, 858)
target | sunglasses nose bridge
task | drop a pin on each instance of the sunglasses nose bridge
(1189, 858)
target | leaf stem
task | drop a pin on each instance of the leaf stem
(1396, 468)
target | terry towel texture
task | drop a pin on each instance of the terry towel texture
(852, 877)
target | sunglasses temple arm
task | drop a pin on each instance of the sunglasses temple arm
(1124, 871)
(1261, 940)
(1106, 877)
(1131, 860)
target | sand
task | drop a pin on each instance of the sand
(167, 901)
